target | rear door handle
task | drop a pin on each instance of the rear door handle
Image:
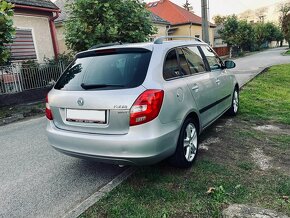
(195, 87)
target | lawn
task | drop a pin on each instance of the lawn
(287, 52)
(229, 171)
(268, 97)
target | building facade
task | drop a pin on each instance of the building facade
(35, 37)
(182, 22)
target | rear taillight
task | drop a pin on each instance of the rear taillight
(146, 107)
(48, 112)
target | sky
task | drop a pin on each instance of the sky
(226, 7)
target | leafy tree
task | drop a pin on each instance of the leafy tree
(187, 6)
(93, 22)
(218, 19)
(7, 30)
(246, 35)
(286, 28)
(266, 33)
(230, 33)
(284, 9)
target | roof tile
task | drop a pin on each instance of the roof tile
(35, 3)
(174, 13)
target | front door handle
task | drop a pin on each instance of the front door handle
(218, 81)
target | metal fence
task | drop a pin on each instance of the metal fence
(20, 77)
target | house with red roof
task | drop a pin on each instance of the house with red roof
(183, 22)
(35, 37)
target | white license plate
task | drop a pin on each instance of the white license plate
(86, 116)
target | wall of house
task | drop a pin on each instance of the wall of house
(40, 31)
(193, 30)
(61, 38)
(161, 30)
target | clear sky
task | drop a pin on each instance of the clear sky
(226, 7)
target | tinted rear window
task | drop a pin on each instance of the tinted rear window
(115, 68)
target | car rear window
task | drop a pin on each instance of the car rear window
(106, 69)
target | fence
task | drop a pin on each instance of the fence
(20, 77)
(222, 51)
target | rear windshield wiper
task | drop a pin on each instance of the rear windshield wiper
(95, 86)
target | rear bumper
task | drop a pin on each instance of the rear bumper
(143, 145)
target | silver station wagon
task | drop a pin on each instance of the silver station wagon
(138, 104)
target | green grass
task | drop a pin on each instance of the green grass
(166, 192)
(268, 96)
(287, 52)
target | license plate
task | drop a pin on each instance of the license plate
(86, 116)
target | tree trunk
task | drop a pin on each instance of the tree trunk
(231, 51)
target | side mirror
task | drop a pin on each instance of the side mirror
(230, 64)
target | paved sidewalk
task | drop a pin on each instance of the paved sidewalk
(250, 66)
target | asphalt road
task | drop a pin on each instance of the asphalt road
(248, 67)
(36, 181)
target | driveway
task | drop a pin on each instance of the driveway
(36, 181)
(248, 67)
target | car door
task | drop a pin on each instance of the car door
(222, 83)
(200, 81)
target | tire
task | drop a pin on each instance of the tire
(234, 109)
(187, 145)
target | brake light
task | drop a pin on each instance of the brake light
(146, 107)
(48, 112)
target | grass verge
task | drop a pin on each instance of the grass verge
(268, 96)
(224, 174)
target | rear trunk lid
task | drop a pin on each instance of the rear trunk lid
(98, 112)
(96, 92)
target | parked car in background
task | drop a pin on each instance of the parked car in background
(140, 103)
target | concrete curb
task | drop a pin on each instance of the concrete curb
(11, 119)
(254, 76)
(94, 198)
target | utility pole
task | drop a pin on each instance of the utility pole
(204, 10)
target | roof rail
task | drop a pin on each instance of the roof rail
(160, 40)
(106, 45)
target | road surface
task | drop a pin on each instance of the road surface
(36, 181)
(248, 67)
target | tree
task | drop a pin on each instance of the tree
(246, 36)
(230, 33)
(218, 19)
(187, 6)
(266, 33)
(92, 22)
(7, 30)
(284, 9)
(286, 28)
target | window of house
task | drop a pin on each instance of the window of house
(22, 47)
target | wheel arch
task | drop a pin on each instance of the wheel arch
(195, 116)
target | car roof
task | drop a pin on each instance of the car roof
(149, 45)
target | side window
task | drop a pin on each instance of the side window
(183, 62)
(171, 68)
(213, 60)
(194, 60)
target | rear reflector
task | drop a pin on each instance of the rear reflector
(48, 112)
(146, 107)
